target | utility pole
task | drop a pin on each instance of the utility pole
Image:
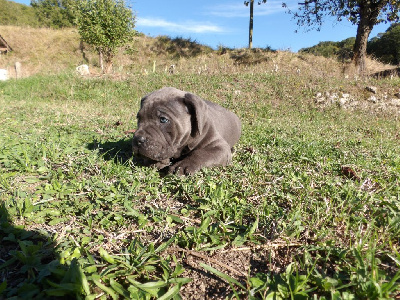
(251, 24)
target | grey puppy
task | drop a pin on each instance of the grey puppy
(182, 133)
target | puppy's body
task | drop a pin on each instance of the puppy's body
(181, 128)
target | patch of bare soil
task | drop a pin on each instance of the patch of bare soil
(238, 263)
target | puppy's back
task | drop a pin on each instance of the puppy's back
(226, 123)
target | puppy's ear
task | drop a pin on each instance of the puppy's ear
(142, 101)
(197, 108)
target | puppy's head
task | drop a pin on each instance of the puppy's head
(167, 120)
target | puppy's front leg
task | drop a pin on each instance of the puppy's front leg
(212, 155)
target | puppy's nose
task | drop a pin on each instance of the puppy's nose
(140, 139)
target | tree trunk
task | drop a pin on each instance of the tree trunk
(82, 48)
(251, 24)
(108, 68)
(109, 55)
(369, 12)
(360, 47)
(101, 59)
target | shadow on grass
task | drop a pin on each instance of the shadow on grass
(118, 151)
(30, 268)
(121, 152)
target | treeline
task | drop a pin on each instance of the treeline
(385, 47)
(17, 14)
(41, 13)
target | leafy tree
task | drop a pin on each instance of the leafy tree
(251, 2)
(55, 13)
(386, 46)
(106, 25)
(364, 13)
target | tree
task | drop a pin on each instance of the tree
(55, 13)
(106, 25)
(251, 2)
(363, 13)
(386, 47)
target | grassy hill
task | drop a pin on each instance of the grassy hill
(13, 13)
(44, 51)
(309, 207)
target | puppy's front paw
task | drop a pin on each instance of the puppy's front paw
(183, 168)
(162, 164)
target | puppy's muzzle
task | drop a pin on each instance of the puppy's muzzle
(139, 140)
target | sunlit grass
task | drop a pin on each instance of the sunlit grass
(79, 218)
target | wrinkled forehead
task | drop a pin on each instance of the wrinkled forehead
(164, 100)
(163, 95)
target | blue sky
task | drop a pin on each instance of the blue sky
(226, 23)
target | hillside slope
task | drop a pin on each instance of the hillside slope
(40, 50)
(13, 13)
(43, 50)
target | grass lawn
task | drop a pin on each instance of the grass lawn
(309, 208)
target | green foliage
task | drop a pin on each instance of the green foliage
(312, 12)
(342, 50)
(55, 13)
(178, 47)
(287, 285)
(357, 276)
(366, 14)
(41, 13)
(386, 47)
(17, 14)
(106, 25)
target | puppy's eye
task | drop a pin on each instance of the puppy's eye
(163, 120)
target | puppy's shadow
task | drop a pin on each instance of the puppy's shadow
(121, 152)
(118, 151)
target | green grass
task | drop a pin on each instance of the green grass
(80, 219)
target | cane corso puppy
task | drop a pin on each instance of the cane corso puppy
(182, 133)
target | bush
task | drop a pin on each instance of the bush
(386, 46)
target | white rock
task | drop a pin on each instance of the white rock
(342, 101)
(3, 74)
(346, 96)
(371, 89)
(83, 70)
(372, 99)
(333, 98)
(395, 102)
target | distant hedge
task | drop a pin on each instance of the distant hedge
(343, 50)
(385, 47)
